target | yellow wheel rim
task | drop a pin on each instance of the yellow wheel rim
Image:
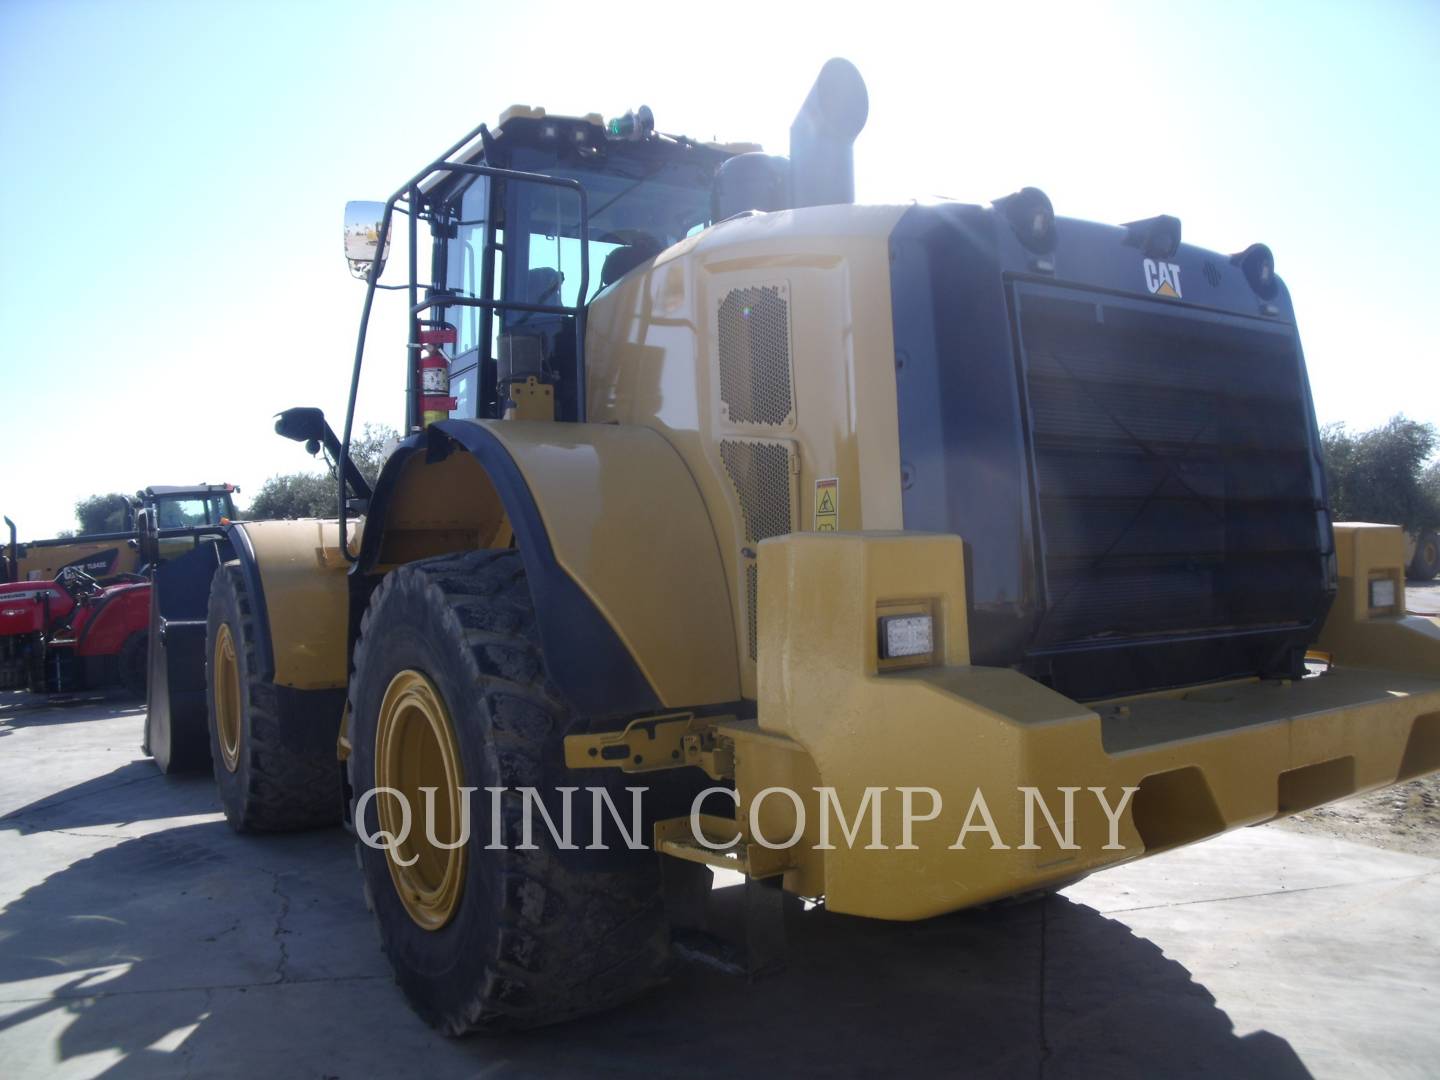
(227, 697)
(415, 749)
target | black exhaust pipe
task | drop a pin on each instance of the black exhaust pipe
(12, 572)
(822, 138)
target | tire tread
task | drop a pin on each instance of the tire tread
(567, 943)
(286, 789)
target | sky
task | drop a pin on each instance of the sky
(174, 179)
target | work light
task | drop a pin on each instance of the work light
(1382, 593)
(1031, 216)
(904, 636)
(1258, 265)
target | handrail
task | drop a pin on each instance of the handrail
(442, 299)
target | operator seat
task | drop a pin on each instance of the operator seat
(624, 259)
(542, 285)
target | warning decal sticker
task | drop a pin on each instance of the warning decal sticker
(827, 505)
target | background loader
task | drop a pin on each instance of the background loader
(714, 480)
(106, 555)
(1422, 554)
(75, 611)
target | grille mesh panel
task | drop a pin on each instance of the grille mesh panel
(761, 474)
(1173, 473)
(755, 355)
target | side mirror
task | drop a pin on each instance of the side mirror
(362, 237)
(304, 424)
(307, 424)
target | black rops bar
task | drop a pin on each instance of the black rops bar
(410, 191)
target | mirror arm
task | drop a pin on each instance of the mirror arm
(343, 464)
(359, 486)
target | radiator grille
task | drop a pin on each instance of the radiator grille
(755, 356)
(761, 472)
(1173, 474)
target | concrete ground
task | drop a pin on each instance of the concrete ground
(1423, 596)
(140, 937)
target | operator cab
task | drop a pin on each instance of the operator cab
(187, 507)
(524, 254)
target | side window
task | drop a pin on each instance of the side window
(547, 258)
(465, 269)
(462, 389)
(465, 274)
(561, 254)
(180, 513)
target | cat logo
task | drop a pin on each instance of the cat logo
(1162, 278)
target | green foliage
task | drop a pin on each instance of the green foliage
(300, 495)
(1380, 475)
(294, 495)
(103, 513)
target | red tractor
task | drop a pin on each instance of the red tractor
(73, 633)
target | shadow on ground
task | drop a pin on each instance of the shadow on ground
(264, 947)
(148, 795)
(23, 710)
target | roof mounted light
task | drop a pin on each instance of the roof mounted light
(1158, 237)
(1258, 264)
(1031, 216)
(634, 125)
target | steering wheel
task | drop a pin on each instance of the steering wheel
(78, 583)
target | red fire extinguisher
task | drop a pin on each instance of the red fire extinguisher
(435, 400)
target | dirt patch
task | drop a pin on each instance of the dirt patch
(1402, 818)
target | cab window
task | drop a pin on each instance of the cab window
(465, 268)
(186, 513)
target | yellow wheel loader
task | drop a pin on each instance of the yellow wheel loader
(901, 557)
(1422, 554)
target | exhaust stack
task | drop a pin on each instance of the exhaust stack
(822, 138)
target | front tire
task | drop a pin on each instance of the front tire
(267, 782)
(133, 661)
(450, 690)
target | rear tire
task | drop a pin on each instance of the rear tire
(266, 784)
(532, 937)
(134, 660)
(1426, 563)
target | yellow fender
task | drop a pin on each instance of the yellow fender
(619, 550)
(296, 577)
